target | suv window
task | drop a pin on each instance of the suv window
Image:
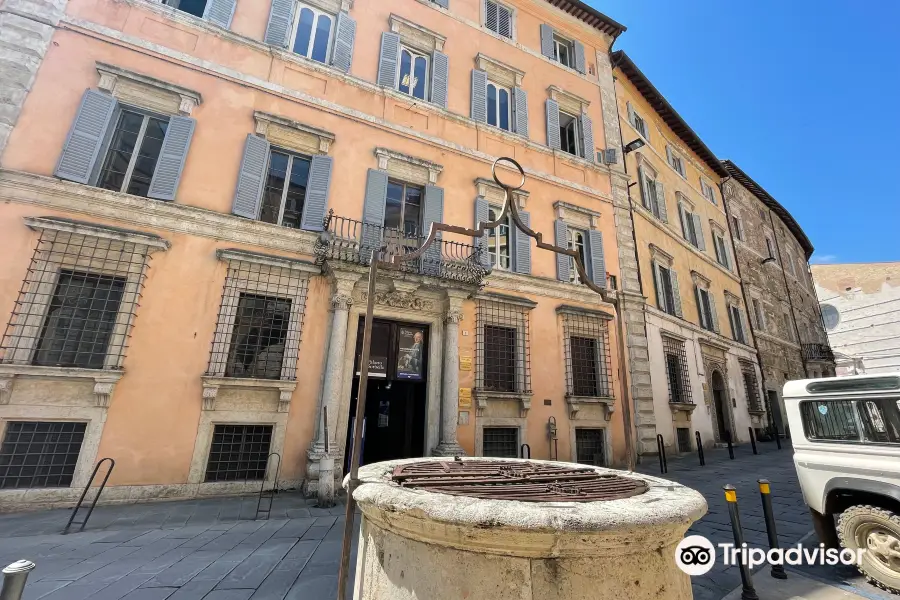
(833, 420)
(880, 420)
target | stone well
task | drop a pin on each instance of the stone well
(468, 540)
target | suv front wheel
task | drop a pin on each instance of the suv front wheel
(877, 531)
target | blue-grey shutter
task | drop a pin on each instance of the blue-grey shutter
(432, 212)
(504, 21)
(440, 77)
(587, 137)
(520, 110)
(661, 202)
(482, 214)
(443, 3)
(553, 140)
(171, 158)
(630, 110)
(523, 245)
(85, 138)
(344, 38)
(698, 229)
(547, 48)
(645, 193)
(682, 217)
(388, 59)
(281, 17)
(317, 189)
(490, 15)
(562, 261)
(713, 314)
(373, 213)
(676, 293)
(579, 57)
(220, 12)
(700, 312)
(597, 270)
(251, 176)
(479, 96)
(660, 292)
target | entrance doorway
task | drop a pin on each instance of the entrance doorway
(395, 397)
(720, 400)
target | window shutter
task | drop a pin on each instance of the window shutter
(373, 212)
(587, 138)
(553, 140)
(698, 229)
(713, 313)
(440, 74)
(579, 57)
(562, 261)
(251, 176)
(317, 193)
(597, 269)
(610, 156)
(478, 110)
(171, 158)
(683, 217)
(387, 62)
(547, 48)
(676, 293)
(734, 332)
(85, 138)
(661, 202)
(443, 3)
(432, 212)
(700, 312)
(490, 15)
(630, 110)
(645, 193)
(281, 17)
(504, 21)
(523, 245)
(482, 215)
(669, 155)
(520, 106)
(344, 39)
(220, 12)
(660, 293)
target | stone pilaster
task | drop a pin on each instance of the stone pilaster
(449, 445)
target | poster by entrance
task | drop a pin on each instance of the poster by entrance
(409, 355)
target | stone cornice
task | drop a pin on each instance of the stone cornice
(704, 334)
(104, 380)
(212, 384)
(230, 254)
(565, 309)
(508, 281)
(153, 242)
(415, 35)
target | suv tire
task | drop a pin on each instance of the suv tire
(878, 532)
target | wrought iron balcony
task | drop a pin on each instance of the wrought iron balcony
(818, 352)
(352, 241)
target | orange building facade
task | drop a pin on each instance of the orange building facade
(190, 194)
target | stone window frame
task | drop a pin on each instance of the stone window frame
(660, 257)
(513, 19)
(410, 169)
(591, 424)
(717, 231)
(671, 155)
(224, 330)
(575, 403)
(416, 36)
(687, 208)
(570, 103)
(499, 72)
(705, 283)
(332, 6)
(704, 185)
(482, 422)
(495, 197)
(734, 301)
(293, 135)
(142, 91)
(651, 175)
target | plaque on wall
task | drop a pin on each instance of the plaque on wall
(411, 344)
(465, 397)
(465, 363)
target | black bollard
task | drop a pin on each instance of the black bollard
(730, 446)
(661, 449)
(747, 591)
(777, 570)
(700, 449)
(777, 437)
(753, 440)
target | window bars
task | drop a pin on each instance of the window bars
(677, 374)
(40, 454)
(259, 323)
(500, 442)
(77, 303)
(239, 453)
(590, 447)
(683, 435)
(587, 355)
(753, 400)
(502, 347)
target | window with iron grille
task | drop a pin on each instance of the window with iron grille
(589, 447)
(238, 453)
(684, 439)
(750, 384)
(502, 347)
(677, 374)
(260, 320)
(587, 354)
(40, 454)
(78, 301)
(500, 442)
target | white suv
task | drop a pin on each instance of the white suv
(846, 437)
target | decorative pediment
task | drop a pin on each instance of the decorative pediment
(147, 92)
(399, 299)
(293, 135)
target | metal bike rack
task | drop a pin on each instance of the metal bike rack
(661, 448)
(268, 495)
(112, 465)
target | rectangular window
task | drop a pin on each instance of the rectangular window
(677, 375)
(499, 243)
(653, 200)
(750, 386)
(403, 209)
(499, 358)
(737, 324)
(285, 189)
(880, 419)
(770, 248)
(80, 320)
(676, 162)
(641, 125)
(412, 76)
(498, 18)
(684, 439)
(708, 191)
(563, 51)
(668, 291)
(37, 454)
(689, 228)
(192, 7)
(738, 228)
(587, 355)
(258, 337)
(575, 239)
(498, 106)
(759, 315)
(704, 308)
(500, 442)
(133, 153)
(568, 134)
(590, 448)
(502, 347)
(313, 30)
(721, 251)
(829, 420)
(239, 453)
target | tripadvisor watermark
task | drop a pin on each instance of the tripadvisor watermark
(696, 555)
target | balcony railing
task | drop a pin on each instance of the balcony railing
(352, 241)
(818, 352)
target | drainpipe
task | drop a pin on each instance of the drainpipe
(788, 290)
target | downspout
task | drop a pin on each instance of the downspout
(788, 290)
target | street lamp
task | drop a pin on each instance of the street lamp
(633, 145)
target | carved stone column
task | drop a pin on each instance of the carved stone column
(449, 445)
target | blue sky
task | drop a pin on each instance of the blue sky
(803, 95)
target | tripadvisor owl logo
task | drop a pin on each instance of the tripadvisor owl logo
(695, 555)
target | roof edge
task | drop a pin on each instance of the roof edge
(590, 15)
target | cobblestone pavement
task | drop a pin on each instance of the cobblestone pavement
(212, 549)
